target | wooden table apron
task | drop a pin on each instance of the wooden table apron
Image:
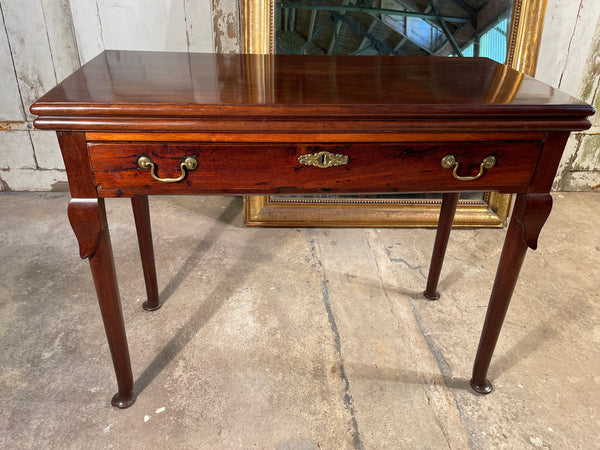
(131, 124)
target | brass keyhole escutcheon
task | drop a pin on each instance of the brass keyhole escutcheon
(323, 159)
(189, 163)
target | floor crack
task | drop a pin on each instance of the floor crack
(440, 360)
(348, 402)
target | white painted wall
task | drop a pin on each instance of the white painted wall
(170, 25)
(44, 41)
(37, 50)
(570, 60)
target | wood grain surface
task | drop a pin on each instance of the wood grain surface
(264, 168)
(181, 85)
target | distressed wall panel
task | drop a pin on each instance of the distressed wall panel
(50, 39)
(61, 37)
(26, 29)
(16, 151)
(226, 26)
(559, 24)
(88, 29)
(11, 109)
(47, 150)
(570, 60)
(35, 180)
(588, 154)
(133, 25)
(199, 25)
(42, 52)
(569, 28)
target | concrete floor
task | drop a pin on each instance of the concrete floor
(296, 338)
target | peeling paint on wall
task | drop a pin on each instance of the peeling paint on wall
(582, 173)
(12, 125)
(591, 76)
(226, 26)
(588, 154)
(570, 60)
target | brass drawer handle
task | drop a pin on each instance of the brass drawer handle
(188, 163)
(323, 159)
(449, 162)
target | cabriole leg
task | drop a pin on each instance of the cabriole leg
(528, 218)
(88, 219)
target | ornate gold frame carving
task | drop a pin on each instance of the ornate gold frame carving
(257, 26)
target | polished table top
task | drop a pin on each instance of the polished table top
(180, 85)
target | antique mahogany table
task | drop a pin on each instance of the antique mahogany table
(137, 123)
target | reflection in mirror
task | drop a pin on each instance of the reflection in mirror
(393, 27)
(455, 28)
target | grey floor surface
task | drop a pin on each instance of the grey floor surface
(296, 338)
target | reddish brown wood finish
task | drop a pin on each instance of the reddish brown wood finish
(171, 86)
(86, 223)
(275, 168)
(88, 218)
(528, 218)
(303, 137)
(141, 214)
(247, 118)
(554, 144)
(77, 162)
(447, 211)
(343, 125)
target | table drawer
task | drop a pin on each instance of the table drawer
(299, 168)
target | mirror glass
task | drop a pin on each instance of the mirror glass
(452, 28)
(460, 28)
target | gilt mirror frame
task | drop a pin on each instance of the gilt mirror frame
(258, 36)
